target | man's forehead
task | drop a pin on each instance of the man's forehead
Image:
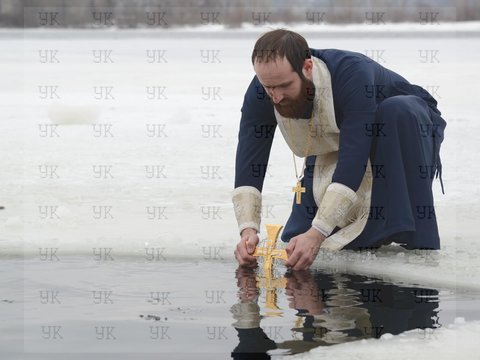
(273, 73)
(279, 63)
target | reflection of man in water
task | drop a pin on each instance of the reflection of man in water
(254, 343)
(335, 308)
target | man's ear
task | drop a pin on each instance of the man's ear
(307, 68)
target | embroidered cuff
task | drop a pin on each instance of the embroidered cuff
(247, 204)
(336, 203)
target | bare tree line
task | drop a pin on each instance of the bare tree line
(171, 13)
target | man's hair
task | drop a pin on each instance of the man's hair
(282, 43)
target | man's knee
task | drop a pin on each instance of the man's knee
(402, 111)
(398, 106)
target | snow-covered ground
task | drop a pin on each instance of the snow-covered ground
(143, 154)
(456, 340)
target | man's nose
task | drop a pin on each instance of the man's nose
(277, 96)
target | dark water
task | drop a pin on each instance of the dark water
(126, 308)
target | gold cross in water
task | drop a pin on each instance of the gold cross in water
(268, 282)
(298, 190)
(269, 252)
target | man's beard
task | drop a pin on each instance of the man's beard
(298, 107)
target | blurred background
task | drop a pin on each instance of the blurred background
(131, 13)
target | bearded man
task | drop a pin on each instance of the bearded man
(370, 142)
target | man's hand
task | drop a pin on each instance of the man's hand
(246, 247)
(303, 249)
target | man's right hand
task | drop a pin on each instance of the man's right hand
(246, 247)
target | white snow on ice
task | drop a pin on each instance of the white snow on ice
(458, 340)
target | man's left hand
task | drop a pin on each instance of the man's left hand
(303, 249)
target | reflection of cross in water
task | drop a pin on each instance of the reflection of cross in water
(298, 325)
(269, 282)
(271, 285)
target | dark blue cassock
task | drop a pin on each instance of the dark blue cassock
(381, 116)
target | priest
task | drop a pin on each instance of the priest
(370, 144)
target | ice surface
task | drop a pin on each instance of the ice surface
(455, 341)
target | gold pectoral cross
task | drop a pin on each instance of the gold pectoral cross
(298, 190)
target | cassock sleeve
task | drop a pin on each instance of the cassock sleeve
(354, 91)
(257, 128)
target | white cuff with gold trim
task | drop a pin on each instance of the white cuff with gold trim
(336, 203)
(247, 204)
